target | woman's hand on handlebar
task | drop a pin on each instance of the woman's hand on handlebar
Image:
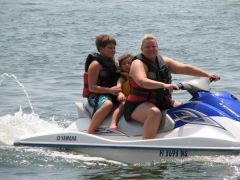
(214, 77)
(171, 87)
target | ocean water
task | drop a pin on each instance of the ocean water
(43, 46)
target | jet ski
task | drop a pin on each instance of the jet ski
(207, 124)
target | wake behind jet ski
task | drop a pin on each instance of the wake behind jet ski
(208, 124)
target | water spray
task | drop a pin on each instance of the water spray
(4, 75)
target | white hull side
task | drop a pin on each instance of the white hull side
(218, 137)
(133, 156)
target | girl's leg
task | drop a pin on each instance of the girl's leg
(116, 116)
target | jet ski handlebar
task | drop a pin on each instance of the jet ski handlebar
(195, 85)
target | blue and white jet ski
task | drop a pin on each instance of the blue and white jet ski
(208, 124)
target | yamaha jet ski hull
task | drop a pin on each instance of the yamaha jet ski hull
(208, 124)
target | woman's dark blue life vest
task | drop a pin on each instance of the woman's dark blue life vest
(158, 71)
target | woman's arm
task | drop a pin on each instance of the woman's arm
(187, 69)
(138, 72)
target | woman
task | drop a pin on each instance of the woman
(152, 87)
(100, 80)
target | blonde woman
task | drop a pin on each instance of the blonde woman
(151, 85)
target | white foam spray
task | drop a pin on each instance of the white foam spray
(5, 75)
(13, 127)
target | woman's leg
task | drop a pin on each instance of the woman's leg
(148, 114)
(100, 115)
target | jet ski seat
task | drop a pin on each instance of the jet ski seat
(132, 128)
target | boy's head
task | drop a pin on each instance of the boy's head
(103, 40)
(106, 45)
(125, 61)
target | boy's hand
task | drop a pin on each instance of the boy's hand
(115, 90)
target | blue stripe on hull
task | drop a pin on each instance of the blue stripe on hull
(122, 147)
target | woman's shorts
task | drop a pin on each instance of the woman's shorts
(131, 106)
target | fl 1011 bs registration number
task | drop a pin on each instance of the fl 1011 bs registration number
(173, 153)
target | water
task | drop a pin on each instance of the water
(43, 45)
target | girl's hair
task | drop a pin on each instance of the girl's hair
(103, 40)
(123, 57)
